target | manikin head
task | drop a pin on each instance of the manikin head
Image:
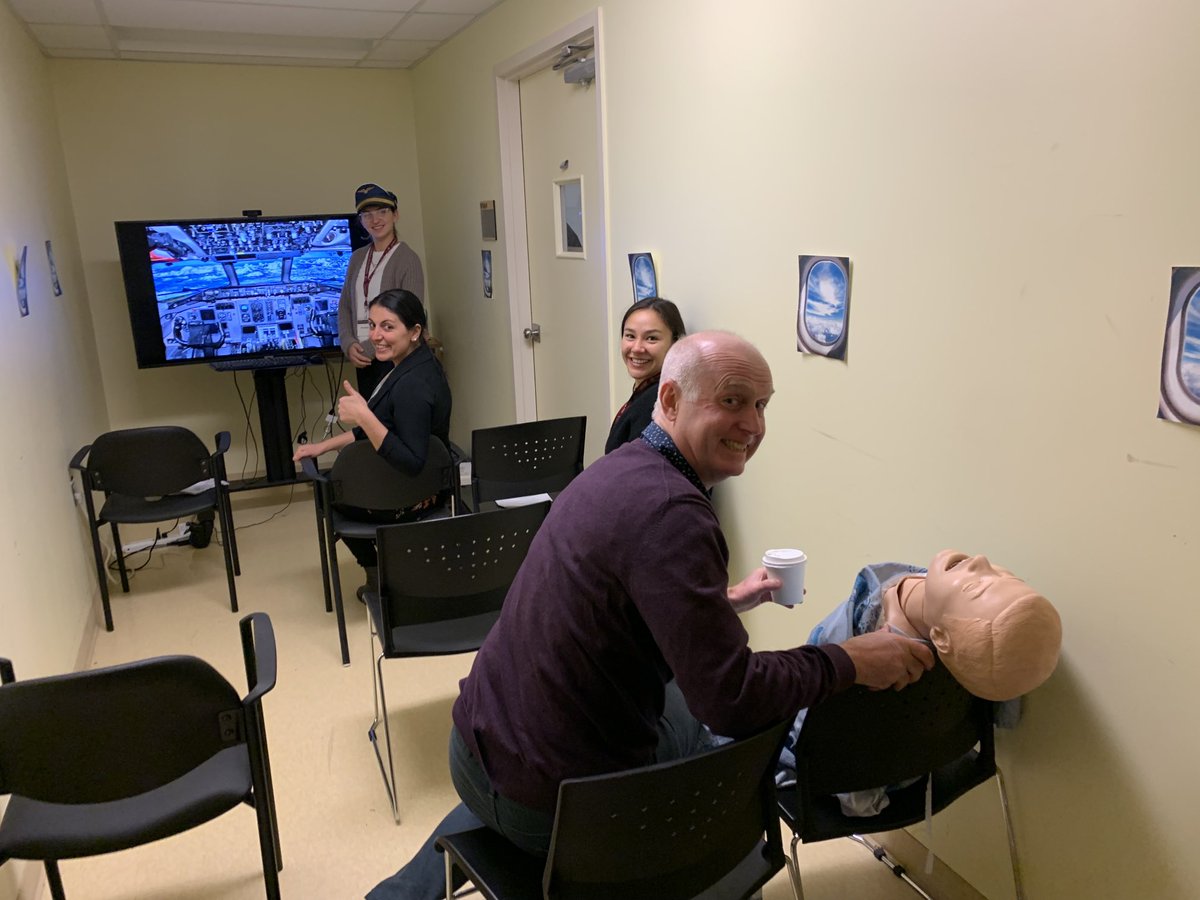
(998, 637)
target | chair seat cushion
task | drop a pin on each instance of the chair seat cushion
(441, 638)
(489, 859)
(120, 508)
(445, 637)
(32, 829)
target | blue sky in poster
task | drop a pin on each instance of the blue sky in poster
(1189, 361)
(825, 301)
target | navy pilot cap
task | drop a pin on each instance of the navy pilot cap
(373, 195)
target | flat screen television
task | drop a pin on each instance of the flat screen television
(239, 291)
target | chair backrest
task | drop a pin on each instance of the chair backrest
(148, 462)
(362, 479)
(527, 458)
(452, 568)
(104, 734)
(667, 831)
(864, 739)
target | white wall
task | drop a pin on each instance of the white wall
(172, 140)
(1013, 183)
(52, 392)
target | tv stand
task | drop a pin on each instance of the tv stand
(274, 423)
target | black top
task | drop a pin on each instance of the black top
(634, 416)
(413, 403)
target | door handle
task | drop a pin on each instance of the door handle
(534, 333)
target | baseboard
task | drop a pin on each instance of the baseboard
(941, 882)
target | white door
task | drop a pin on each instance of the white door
(567, 286)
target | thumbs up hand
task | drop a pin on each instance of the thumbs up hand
(352, 408)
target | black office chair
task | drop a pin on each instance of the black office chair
(864, 739)
(527, 458)
(107, 759)
(441, 586)
(143, 473)
(701, 827)
(361, 481)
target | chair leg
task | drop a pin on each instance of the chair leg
(54, 880)
(1018, 885)
(120, 556)
(101, 576)
(793, 867)
(229, 534)
(228, 549)
(335, 579)
(381, 713)
(319, 508)
(881, 854)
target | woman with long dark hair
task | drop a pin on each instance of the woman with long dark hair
(411, 403)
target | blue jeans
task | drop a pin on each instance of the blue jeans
(424, 877)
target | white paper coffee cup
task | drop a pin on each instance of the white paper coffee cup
(788, 566)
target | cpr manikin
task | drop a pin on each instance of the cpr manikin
(998, 637)
(995, 634)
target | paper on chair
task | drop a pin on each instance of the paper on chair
(529, 500)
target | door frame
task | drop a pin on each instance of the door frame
(508, 75)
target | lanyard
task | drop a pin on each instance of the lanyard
(369, 270)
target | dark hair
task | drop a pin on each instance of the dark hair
(666, 310)
(406, 306)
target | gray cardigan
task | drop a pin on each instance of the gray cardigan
(402, 270)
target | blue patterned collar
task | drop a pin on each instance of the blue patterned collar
(661, 441)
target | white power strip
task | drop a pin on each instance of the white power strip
(178, 536)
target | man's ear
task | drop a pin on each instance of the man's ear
(940, 639)
(668, 400)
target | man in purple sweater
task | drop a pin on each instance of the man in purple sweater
(621, 629)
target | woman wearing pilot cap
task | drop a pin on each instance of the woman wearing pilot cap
(387, 263)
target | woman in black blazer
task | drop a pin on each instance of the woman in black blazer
(411, 403)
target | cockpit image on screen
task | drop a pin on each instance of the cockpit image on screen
(233, 288)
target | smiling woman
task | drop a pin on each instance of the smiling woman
(648, 329)
(411, 403)
(387, 263)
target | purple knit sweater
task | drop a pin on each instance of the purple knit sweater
(624, 588)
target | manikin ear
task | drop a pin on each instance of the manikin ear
(940, 639)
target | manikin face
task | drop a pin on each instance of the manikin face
(645, 340)
(390, 337)
(969, 587)
(723, 427)
(380, 222)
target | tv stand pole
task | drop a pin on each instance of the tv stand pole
(276, 428)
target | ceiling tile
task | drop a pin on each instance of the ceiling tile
(406, 50)
(429, 27)
(151, 40)
(230, 60)
(391, 6)
(162, 39)
(78, 37)
(59, 12)
(252, 18)
(471, 7)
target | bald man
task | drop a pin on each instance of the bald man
(625, 591)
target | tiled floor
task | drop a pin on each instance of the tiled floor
(337, 832)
